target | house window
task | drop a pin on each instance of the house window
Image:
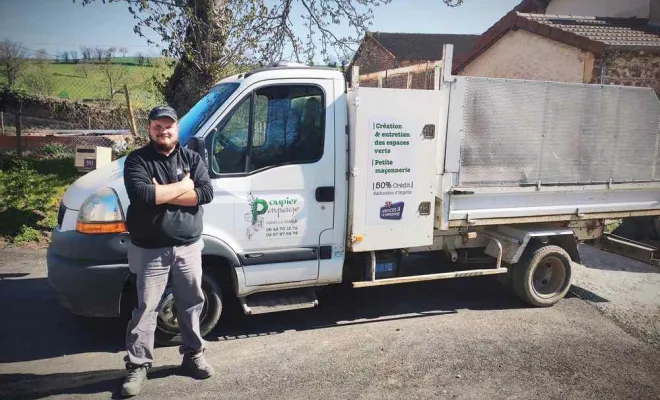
(273, 126)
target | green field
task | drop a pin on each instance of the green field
(89, 82)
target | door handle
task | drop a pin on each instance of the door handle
(325, 194)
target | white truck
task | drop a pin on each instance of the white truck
(320, 182)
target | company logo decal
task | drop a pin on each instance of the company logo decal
(279, 215)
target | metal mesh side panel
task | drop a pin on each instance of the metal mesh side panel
(521, 132)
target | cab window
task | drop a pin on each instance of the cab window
(273, 126)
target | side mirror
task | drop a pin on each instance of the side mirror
(198, 145)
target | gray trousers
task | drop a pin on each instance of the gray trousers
(153, 267)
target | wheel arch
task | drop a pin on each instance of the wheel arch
(566, 242)
(515, 241)
(219, 257)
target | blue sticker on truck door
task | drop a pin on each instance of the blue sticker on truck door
(392, 211)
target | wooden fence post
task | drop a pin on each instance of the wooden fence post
(131, 117)
(19, 122)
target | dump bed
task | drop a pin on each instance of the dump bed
(483, 151)
(521, 151)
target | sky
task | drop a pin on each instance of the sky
(62, 25)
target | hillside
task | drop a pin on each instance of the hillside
(91, 81)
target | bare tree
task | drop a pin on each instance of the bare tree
(123, 51)
(115, 76)
(74, 56)
(83, 69)
(99, 53)
(109, 54)
(65, 57)
(42, 56)
(139, 59)
(40, 80)
(86, 53)
(12, 62)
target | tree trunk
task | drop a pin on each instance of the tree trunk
(186, 86)
(206, 42)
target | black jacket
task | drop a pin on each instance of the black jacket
(164, 225)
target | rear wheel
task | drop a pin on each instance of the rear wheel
(167, 327)
(543, 275)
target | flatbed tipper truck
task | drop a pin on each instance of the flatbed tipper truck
(318, 181)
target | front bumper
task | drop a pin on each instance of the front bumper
(88, 272)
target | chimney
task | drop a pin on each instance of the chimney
(532, 6)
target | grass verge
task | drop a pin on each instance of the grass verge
(30, 191)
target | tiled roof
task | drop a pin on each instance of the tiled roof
(588, 33)
(423, 46)
(610, 31)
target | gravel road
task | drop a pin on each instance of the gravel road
(625, 290)
(454, 339)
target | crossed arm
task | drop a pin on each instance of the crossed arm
(172, 193)
(194, 189)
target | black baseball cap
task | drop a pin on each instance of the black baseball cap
(163, 111)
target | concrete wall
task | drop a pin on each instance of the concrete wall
(601, 8)
(523, 55)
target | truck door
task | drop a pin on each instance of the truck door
(272, 160)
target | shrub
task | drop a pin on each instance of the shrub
(28, 234)
(30, 190)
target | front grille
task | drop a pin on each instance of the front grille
(60, 214)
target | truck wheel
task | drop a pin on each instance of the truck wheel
(543, 275)
(167, 327)
(506, 280)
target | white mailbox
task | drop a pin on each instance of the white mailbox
(89, 158)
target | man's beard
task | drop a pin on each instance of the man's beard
(162, 147)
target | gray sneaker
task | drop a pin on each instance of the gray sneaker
(196, 365)
(133, 382)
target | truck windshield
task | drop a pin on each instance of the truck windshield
(203, 109)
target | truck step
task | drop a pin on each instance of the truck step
(430, 277)
(286, 300)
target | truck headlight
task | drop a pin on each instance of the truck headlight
(101, 213)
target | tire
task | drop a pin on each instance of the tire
(167, 332)
(506, 280)
(543, 275)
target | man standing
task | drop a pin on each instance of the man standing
(166, 185)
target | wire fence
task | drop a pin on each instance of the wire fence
(55, 107)
(41, 126)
